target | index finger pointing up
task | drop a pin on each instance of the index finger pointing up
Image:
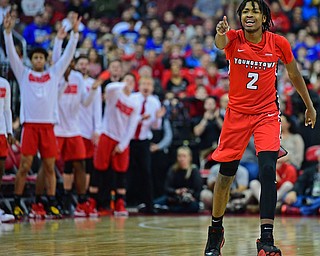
(225, 21)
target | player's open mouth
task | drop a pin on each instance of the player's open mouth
(249, 23)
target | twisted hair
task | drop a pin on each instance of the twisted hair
(264, 8)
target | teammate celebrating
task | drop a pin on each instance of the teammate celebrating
(90, 116)
(5, 133)
(38, 114)
(72, 95)
(253, 53)
(118, 127)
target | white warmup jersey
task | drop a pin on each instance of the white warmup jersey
(73, 93)
(90, 116)
(152, 105)
(39, 90)
(121, 115)
(5, 107)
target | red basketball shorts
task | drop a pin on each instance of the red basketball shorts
(104, 158)
(237, 130)
(40, 137)
(89, 147)
(71, 148)
(3, 146)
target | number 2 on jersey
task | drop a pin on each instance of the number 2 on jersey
(254, 78)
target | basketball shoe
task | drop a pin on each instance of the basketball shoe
(53, 212)
(81, 210)
(37, 211)
(267, 249)
(4, 217)
(92, 208)
(67, 204)
(215, 241)
(120, 208)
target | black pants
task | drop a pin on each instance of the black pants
(139, 174)
(159, 168)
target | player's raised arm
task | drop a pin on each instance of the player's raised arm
(15, 61)
(222, 28)
(64, 61)
(299, 84)
(57, 46)
(8, 23)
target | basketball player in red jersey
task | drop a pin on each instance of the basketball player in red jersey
(253, 53)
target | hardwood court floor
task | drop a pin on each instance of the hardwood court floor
(152, 235)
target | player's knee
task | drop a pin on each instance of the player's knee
(68, 167)
(79, 166)
(25, 166)
(267, 169)
(48, 165)
(229, 168)
(267, 172)
(267, 165)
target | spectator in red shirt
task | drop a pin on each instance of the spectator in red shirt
(279, 18)
(213, 75)
(195, 104)
(200, 80)
(155, 64)
(288, 5)
(222, 86)
(138, 57)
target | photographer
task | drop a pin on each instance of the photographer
(183, 185)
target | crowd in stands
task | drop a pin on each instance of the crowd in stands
(173, 42)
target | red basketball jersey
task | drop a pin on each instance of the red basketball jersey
(253, 69)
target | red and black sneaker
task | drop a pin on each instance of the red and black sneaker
(267, 249)
(215, 241)
(92, 208)
(120, 208)
(37, 211)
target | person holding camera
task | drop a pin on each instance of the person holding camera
(182, 186)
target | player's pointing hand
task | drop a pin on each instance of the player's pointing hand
(223, 26)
